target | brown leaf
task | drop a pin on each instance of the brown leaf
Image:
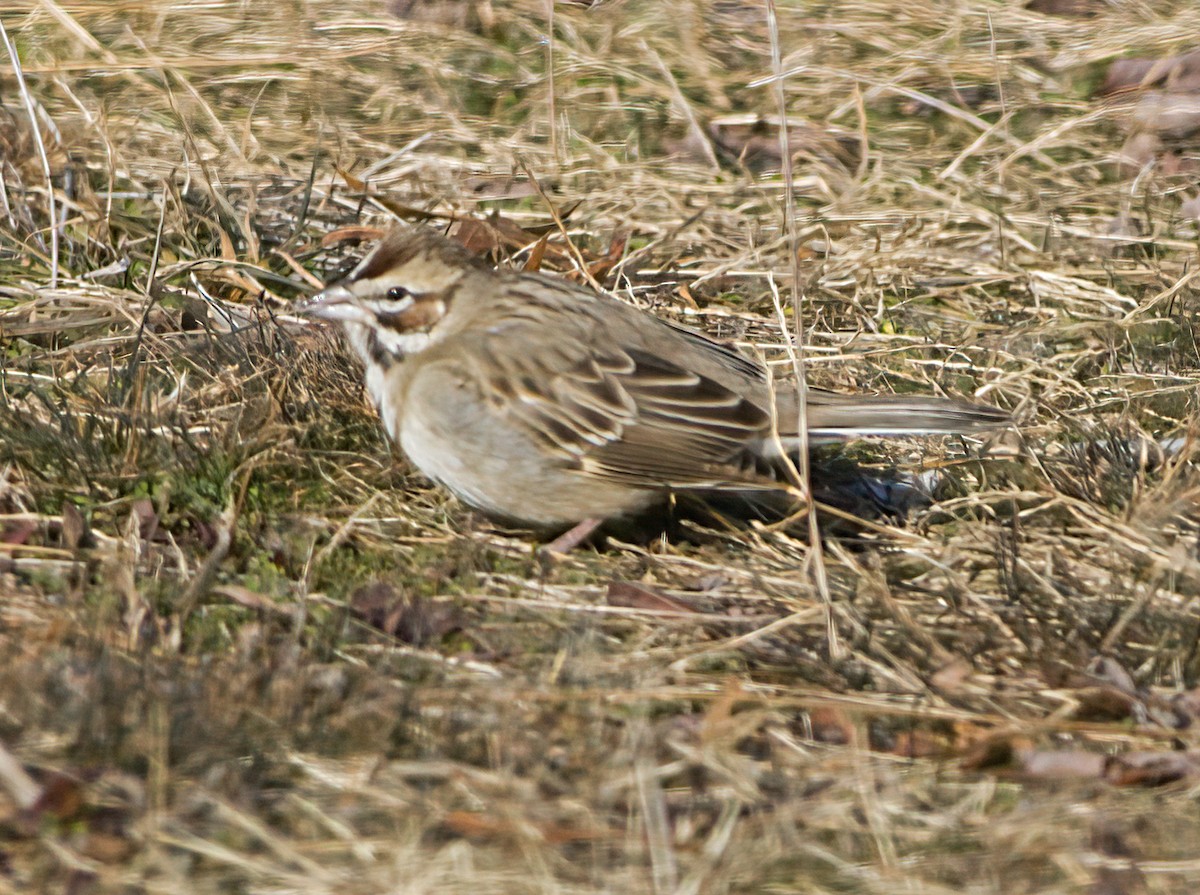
(637, 596)
(353, 182)
(1177, 74)
(537, 253)
(410, 618)
(142, 509)
(1173, 164)
(994, 751)
(17, 531)
(1078, 9)
(108, 848)
(374, 604)
(1105, 703)
(685, 293)
(81, 881)
(720, 711)
(830, 725)
(477, 825)
(1151, 768)
(345, 234)
(62, 798)
(498, 235)
(919, 744)
(75, 531)
(1125, 74)
(227, 250)
(600, 268)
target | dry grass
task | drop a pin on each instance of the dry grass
(192, 487)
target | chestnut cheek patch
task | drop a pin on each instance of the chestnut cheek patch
(421, 314)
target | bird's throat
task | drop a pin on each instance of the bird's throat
(377, 345)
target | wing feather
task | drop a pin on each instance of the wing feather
(628, 414)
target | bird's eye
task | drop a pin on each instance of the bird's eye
(398, 293)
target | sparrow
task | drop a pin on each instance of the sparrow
(545, 404)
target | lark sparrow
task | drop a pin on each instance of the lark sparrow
(545, 404)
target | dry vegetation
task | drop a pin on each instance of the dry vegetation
(244, 649)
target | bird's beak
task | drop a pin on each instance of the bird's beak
(335, 303)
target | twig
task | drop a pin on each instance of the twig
(550, 107)
(27, 99)
(795, 340)
(684, 107)
(562, 228)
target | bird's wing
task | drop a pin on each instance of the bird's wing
(626, 414)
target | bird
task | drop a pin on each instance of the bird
(553, 407)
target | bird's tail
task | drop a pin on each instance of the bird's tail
(836, 417)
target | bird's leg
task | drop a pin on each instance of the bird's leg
(572, 537)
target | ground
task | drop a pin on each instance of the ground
(245, 648)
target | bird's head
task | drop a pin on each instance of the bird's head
(398, 294)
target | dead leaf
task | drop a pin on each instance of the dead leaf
(410, 618)
(600, 268)
(494, 235)
(995, 751)
(62, 798)
(1077, 9)
(345, 234)
(477, 825)
(1151, 768)
(228, 253)
(919, 744)
(1177, 74)
(17, 531)
(108, 848)
(1105, 703)
(353, 182)
(536, 254)
(830, 725)
(719, 713)
(631, 595)
(685, 293)
(142, 509)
